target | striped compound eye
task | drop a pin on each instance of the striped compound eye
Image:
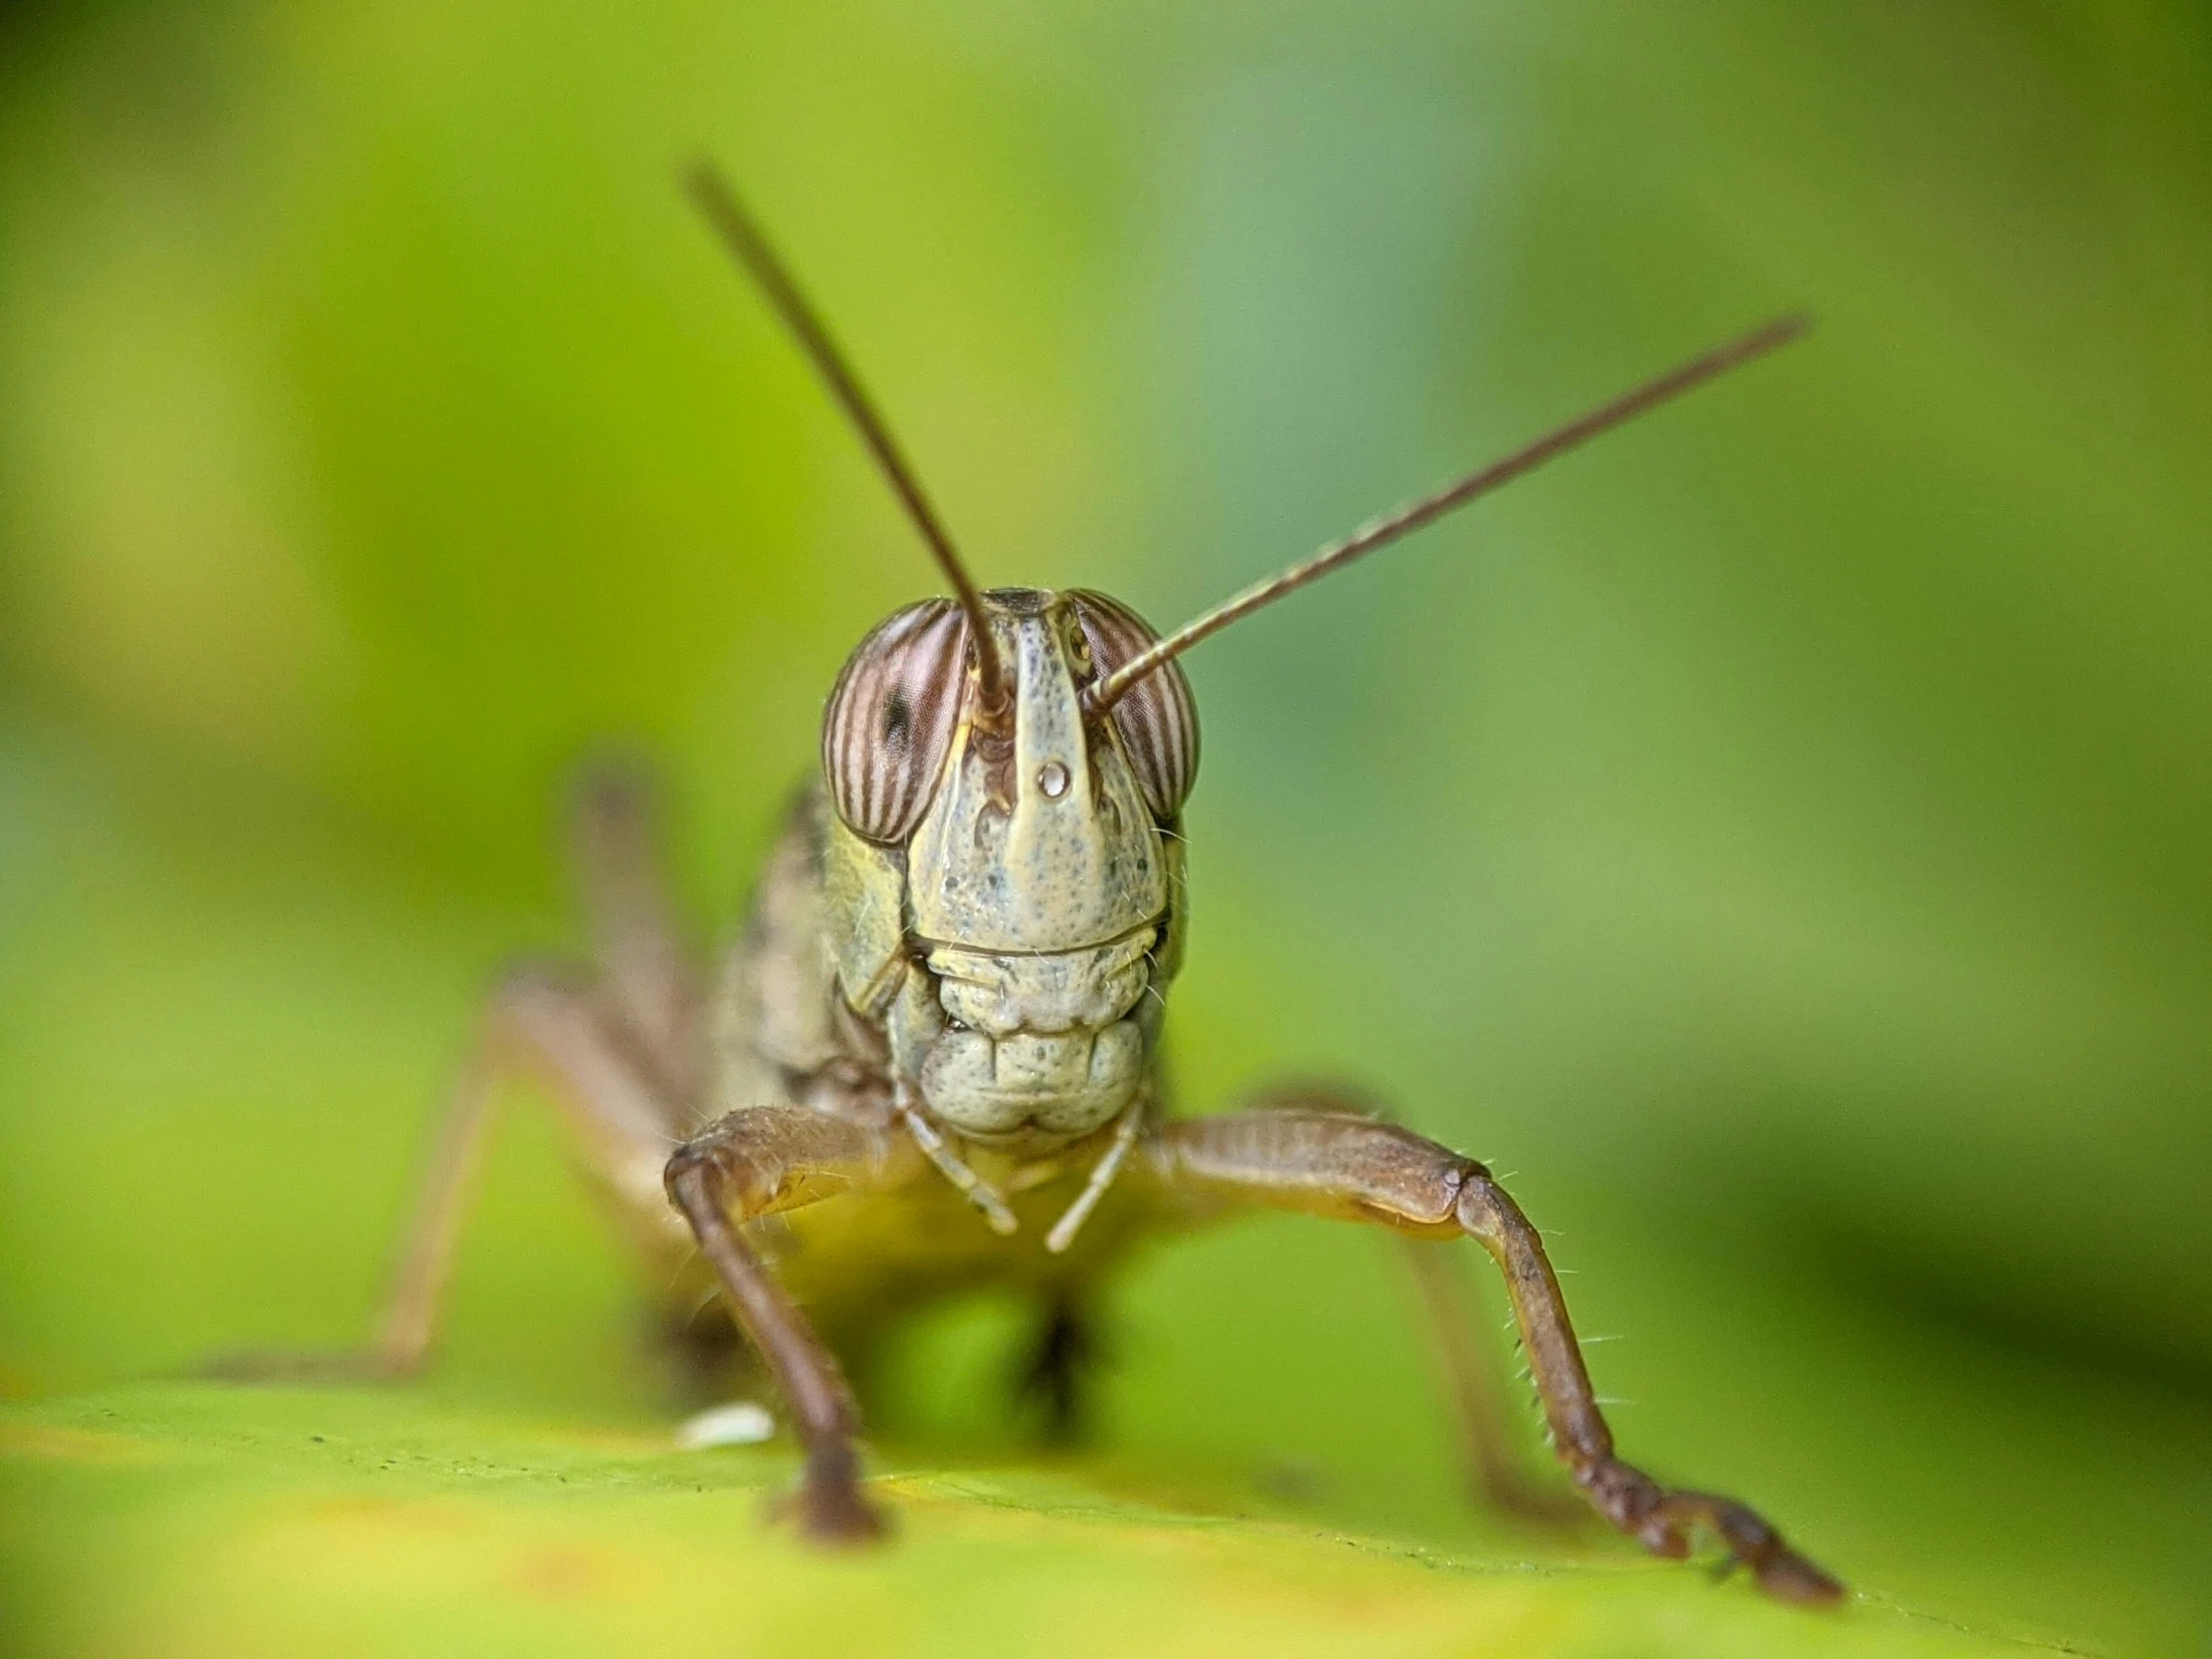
(1157, 717)
(891, 719)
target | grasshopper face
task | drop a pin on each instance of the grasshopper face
(1006, 881)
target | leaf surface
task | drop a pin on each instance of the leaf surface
(184, 1520)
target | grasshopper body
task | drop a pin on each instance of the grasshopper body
(930, 1061)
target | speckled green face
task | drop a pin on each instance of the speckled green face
(1041, 882)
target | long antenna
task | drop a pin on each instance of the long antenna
(1414, 515)
(711, 192)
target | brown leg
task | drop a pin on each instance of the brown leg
(1491, 1455)
(1333, 1164)
(534, 1027)
(540, 1029)
(619, 1059)
(646, 978)
(616, 1058)
(415, 1297)
(749, 1164)
(1492, 1461)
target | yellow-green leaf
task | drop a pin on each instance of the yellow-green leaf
(178, 1520)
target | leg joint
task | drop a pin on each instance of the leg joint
(1481, 1207)
(773, 1157)
(693, 1173)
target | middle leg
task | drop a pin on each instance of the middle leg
(1055, 1376)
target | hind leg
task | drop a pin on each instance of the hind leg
(648, 989)
(617, 1058)
(535, 1029)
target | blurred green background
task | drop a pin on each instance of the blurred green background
(1776, 836)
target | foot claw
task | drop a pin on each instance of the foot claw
(829, 1508)
(1791, 1578)
(1664, 1522)
(836, 1516)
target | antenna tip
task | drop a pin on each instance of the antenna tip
(705, 183)
(1788, 326)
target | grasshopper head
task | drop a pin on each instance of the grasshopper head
(1004, 874)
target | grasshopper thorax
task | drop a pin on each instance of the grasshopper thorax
(1004, 878)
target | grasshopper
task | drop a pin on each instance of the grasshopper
(930, 1061)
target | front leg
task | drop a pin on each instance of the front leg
(1490, 1456)
(1338, 1164)
(749, 1164)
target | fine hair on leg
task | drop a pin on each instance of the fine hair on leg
(1332, 1163)
(749, 1164)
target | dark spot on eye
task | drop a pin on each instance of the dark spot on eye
(898, 720)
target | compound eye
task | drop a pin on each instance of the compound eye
(1157, 718)
(889, 722)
